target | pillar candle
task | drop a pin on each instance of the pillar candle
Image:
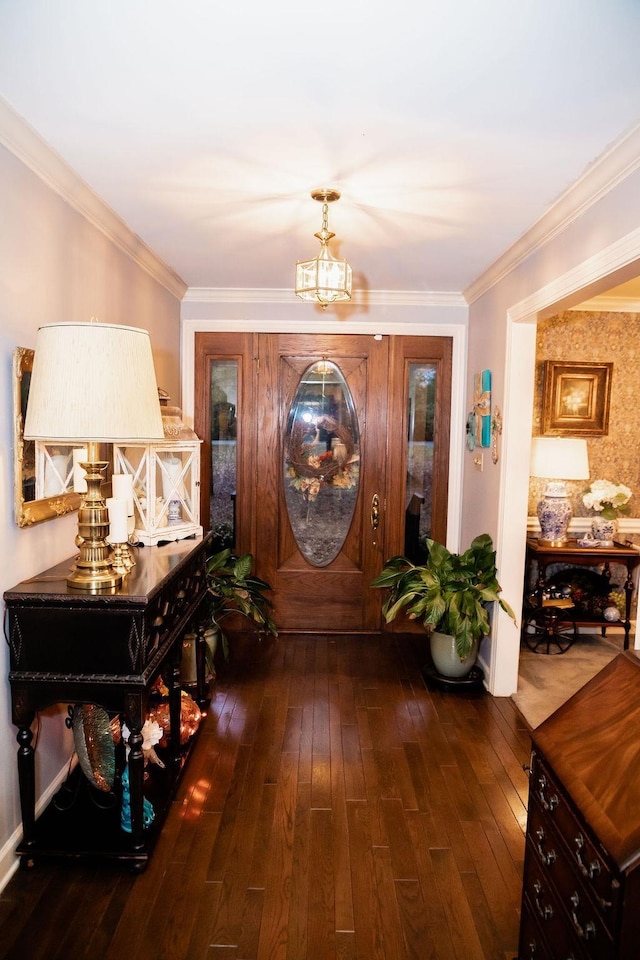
(117, 520)
(122, 487)
(170, 486)
(79, 482)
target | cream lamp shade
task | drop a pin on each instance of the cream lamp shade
(93, 383)
(557, 459)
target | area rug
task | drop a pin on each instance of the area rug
(545, 681)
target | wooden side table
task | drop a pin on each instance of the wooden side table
(574, 555)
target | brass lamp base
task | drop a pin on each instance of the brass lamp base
(93, 571)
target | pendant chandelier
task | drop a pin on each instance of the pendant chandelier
(324, 279)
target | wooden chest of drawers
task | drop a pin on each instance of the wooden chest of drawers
(581, 891)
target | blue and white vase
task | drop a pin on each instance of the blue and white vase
(554, 514)
(603, 530)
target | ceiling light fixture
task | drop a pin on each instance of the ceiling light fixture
(324, 279)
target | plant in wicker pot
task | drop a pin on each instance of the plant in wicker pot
(450, 594)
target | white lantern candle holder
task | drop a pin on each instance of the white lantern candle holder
(166, 488)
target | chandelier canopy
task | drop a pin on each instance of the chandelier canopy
(324, 279)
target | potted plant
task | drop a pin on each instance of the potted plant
(450, 594)
(231, 589)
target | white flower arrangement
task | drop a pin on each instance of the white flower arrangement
(608, 498)
(151, 735)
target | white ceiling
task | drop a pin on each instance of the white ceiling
(450, 126)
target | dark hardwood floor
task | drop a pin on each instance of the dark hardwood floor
(334, 807)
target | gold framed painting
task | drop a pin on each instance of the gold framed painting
(576, 399)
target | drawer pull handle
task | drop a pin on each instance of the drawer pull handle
(553, 801)
(548, 858)
(590, 870)
(586, 932)
(545, 910)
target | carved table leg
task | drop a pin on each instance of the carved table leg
(134, 715)
(175, 709)
(136, 780)
(201, 666)
(26, 776)
(628, 590)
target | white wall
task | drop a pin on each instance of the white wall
(55, 265)
(596, 246)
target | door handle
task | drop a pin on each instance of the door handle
(375, 511)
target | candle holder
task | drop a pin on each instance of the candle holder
(166, 488)
(121, 559)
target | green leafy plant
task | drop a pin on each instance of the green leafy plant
(232, 588)
(449, 592)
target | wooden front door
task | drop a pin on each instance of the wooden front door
(334, 595)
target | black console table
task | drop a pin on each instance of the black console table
(106, 649)
(572, 554)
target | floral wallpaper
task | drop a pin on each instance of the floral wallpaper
(597, 337)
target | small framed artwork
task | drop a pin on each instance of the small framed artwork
(576, 399)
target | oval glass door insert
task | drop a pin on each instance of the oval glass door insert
(321, 462)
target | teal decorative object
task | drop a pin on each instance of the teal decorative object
(148, 813)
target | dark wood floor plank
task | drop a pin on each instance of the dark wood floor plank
(354, 780)
(97, 896)
(438, 940)
(419, 943)
(505, 896)
(263, 828)
(55, 917)
(236, 768)
(321, 910)
(273, 931)
(301, 866)
(250, 923)
(205, 910)
(335, 807)
(369, 938)
(393, 940)
(462, 931)
(402, 852)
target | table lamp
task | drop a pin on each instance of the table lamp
(93, 383)
(557, 459)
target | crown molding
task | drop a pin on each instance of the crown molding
(616, 256)
(387, 298)
(609, 304)
(613, 167)
(27, 145)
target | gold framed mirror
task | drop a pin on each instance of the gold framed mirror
(39, 469)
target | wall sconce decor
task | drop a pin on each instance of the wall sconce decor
(324, 279)
(93, 383)
(482, 408)
(557, 459)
